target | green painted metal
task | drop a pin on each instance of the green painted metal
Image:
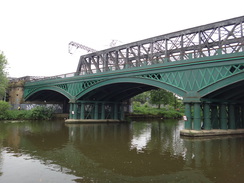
(75, 111)
(242, 116)
(237, 116)
(122, 115)
(188, 120)
(82, 112)
(70, 109)
(207, 117)
(103, 111)
(223, 117)
(197, 80)
(201, 76)
(232, 122)
(215, 117)
(115, 109)
(197, 117)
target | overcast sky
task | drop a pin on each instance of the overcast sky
(34, 34)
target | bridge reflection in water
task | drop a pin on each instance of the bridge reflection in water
(120, 152)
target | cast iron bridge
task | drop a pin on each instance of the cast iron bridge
(204, 65)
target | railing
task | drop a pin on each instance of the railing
(39, 78)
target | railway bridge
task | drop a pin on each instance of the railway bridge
(204, 65)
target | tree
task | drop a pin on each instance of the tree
(142, 98)
(161, 96)
(3, 75)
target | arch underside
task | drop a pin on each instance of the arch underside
(47, 96)
(116, 92)
(231, 93)
(123, 89)
(230, 89)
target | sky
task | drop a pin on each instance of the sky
(34, 34)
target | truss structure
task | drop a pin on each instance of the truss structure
(208, 40)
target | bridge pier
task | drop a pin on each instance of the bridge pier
(72, 110)
(232, 122)
(197, 116)
(242, 116)
(223, 116)
(193, 121)
(206, 116)
(83, 111)
(217, 118)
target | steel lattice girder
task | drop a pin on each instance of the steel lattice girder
(208, 40)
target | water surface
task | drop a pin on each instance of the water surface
(140, 151)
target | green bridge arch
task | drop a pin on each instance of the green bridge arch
(136, 80)
(35, 90)
(230, 80)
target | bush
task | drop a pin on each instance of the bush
(18, 114)
(4, 107)
(162, 113)
(170, 114)
(37, 113)
(42, 112)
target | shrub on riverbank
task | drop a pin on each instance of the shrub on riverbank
(161, 113)
(42, 112)
(17, 115)
(37, 113)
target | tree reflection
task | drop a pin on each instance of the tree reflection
(161, 135)
(141, 136)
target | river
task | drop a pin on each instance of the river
(138, 152)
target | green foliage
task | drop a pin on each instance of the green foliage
(142, 98)
(41, 112)
(4, 107)
(3, 75)
(170, 113)
(18, 115)
(37, 113)
(160, 96)
(160, 113)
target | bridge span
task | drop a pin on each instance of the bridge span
(204, 65)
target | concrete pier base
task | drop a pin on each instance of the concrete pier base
(72, 121)
(214, 132)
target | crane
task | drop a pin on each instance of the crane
(81, 46)
(88, 49)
